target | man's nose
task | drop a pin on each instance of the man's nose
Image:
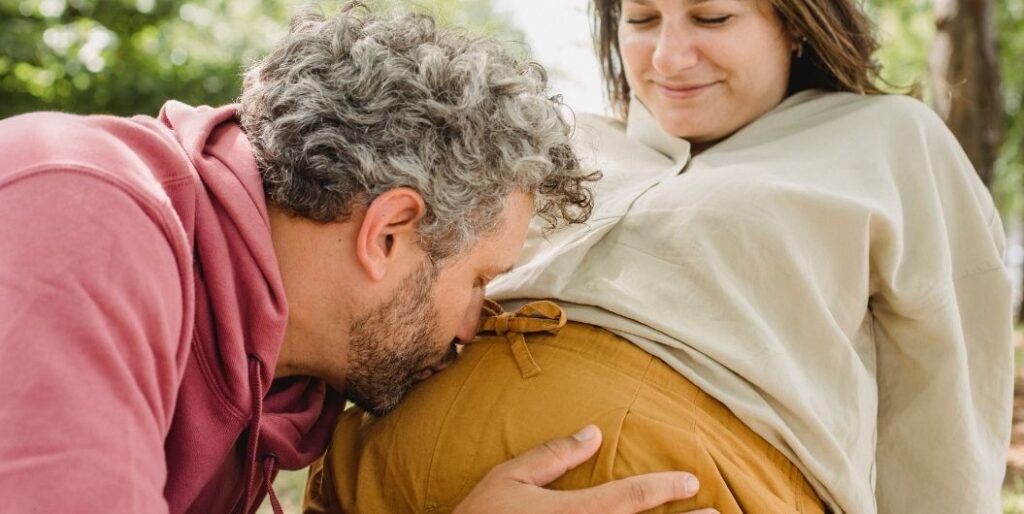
(470, 322)
(468, 329)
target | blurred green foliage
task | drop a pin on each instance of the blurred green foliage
(129, 56)
(1009, 183)
(906, 29)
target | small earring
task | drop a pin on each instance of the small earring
(800, 47)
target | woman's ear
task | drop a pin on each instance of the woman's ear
(388, 231)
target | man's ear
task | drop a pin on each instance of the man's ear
(388, 229)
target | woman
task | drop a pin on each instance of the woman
(809, 272)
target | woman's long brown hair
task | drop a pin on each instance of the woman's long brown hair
(836, 36)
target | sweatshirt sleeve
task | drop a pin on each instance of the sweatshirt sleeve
(90, 344)
(944, 348)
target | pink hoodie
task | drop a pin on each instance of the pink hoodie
(141, 317)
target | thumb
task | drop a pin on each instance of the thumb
(542, 464)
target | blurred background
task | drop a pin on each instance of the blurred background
(129, 56)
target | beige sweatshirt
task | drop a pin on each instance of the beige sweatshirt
(832, 272)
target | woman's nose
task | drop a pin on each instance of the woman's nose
(676, 51)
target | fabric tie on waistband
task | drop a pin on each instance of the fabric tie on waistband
(534, 317)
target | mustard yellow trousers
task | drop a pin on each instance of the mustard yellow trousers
(531, 377)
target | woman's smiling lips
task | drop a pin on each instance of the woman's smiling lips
(680, 92)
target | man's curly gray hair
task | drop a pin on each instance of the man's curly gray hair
(349, 107)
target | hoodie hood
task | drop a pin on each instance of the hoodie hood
(241, 313)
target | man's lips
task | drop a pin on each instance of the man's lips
(429, 371)
(444, 362)
(683, 91)
(423, 374)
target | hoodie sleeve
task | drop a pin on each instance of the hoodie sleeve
(91, 298)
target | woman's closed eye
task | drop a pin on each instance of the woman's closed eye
(712, 20)
(640, 20)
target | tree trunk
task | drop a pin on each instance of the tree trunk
(964, 65)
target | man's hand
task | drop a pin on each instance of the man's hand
(517, 485)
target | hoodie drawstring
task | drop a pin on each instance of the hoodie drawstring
(269, 461)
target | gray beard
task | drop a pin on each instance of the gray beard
(392, 343)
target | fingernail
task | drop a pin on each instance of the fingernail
(589, 432)
(691, 484)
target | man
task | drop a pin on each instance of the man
(188, 300)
